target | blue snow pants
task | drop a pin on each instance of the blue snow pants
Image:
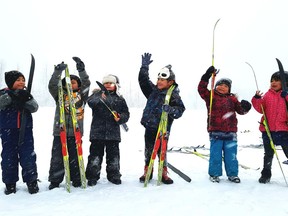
(12, 154)
(229, 149)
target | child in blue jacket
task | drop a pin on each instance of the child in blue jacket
(13, 101)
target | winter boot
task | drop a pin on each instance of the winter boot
(92, 182)
(165, 177)
(10, 188)
(142, 178)
(265, 177)
(76, 184)
(53, 185)
(33, 187)
(115, 180)
(234, 179)
(214, 179)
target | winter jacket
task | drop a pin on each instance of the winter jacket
(80, 98)
(155, 100)
(275, 110)
(223, 116)
(10, 115)
(104, 126)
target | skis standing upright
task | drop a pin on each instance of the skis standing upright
(76, 128)
(63, 135)
(29, 86)
(161, 140)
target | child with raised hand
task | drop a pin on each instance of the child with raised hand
(105, 130)
(222, 126)
(155, 95)
(13, 100)
(80, 87)
(274, 105)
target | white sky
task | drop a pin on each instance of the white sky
(110, 36)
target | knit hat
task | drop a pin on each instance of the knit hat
(166, 73)
(11, 77)
(276, 76)
(110, 78)
(225, 81)
(72, 77)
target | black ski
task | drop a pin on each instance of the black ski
(180, 173)
(283, 80)
(23, 118)
(105, 91)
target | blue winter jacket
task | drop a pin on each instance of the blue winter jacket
(155, 100)
(10, 115)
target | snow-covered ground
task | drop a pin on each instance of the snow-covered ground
(200, 197)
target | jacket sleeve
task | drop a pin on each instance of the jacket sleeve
(94, 99)
(177, 106)
(85, 85)
(53, 84)
(256, 103)
(203, 91)
(123, 112)
(144, 81)
(5, 100)
(31, 105)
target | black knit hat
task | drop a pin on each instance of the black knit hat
(276, 76)
(11, 77)
(72, 77)
(225, 81)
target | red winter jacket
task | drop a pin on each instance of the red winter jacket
(224, 108)
(275, 110)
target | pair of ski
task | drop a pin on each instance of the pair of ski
(161, 142)
(76, 129)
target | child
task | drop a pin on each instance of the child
(80, 88)
(223, 126)
(155, 95)
(274, 104)
(13, 101)
(105, 131)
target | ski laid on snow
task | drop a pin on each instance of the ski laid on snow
(161, 140)
(76, 128)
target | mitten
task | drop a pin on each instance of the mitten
(61, 67)
(208, 73)
(146, 60)
(246, 106)
(284, 94)
(79, 64)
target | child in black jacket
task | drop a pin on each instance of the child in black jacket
(105, 131)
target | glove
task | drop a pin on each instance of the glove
(284, 94)
(20, 97)
(208, 73)
(79, 64)
(146, 60)
(166, 108)
(246, 106)
(61, 67)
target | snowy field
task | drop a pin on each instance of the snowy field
(200, 197)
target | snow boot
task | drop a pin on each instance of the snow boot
(234, 179)
(142, 178)
(165, 178)
(92, 183)
(214, 179)
(33, 187)
(115, 180)
(10, 188)
(53, 185)
(76, 184)
(265, 176)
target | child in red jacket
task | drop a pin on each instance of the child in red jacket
(274, 105)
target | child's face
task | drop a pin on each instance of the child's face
(276, 85)
(222, 88)
(19, 83)
(74, 84)
(164, 83)
(110, 86)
